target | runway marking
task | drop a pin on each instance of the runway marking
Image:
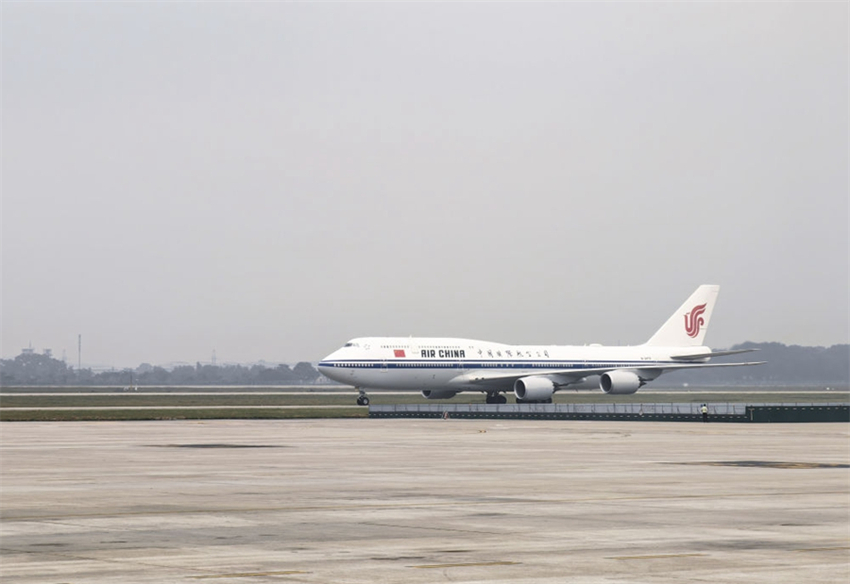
(463, 565)
(766, 464)
(824, 549)
(214, 445)
(364, 506)
(434, 528)
(654, 557)
(77, 556)
(248, 574)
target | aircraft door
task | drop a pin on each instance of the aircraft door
(414, 352)
(462, 366)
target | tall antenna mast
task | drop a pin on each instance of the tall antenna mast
(79, 352)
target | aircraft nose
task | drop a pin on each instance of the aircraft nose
(326, 366)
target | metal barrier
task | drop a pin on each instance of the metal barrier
(717, 412)
(787, 413)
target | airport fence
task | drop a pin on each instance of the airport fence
(717, 412)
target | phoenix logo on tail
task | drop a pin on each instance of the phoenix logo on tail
(694, 320)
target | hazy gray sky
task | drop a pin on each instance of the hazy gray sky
(268, 180)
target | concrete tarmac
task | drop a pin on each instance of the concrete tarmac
(411, 500)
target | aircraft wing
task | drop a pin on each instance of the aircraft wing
(497, 380)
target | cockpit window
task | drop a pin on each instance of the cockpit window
(351, 345)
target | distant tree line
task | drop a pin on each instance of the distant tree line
(787, 365)
(37, 369)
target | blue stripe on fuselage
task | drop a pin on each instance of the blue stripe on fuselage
(457, 364)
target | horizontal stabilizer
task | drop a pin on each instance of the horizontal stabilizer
(696, 365)
(713, 354)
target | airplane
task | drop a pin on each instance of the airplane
(440, 368)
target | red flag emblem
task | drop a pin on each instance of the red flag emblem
(399, 352)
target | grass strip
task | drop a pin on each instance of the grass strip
(84, 415)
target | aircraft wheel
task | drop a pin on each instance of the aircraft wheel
(364, 401)
(359, 401)
(501, 400)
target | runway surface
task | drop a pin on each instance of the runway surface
(357, 501)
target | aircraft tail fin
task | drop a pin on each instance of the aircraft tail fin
(688, 325)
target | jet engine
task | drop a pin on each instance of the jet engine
(438, 393)
(619, 382)
(534, 388)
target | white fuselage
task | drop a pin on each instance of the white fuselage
(405, 363)
(442, 367)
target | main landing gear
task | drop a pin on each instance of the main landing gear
(494, 397)
(363, 399)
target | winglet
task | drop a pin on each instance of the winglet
(687, 326)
